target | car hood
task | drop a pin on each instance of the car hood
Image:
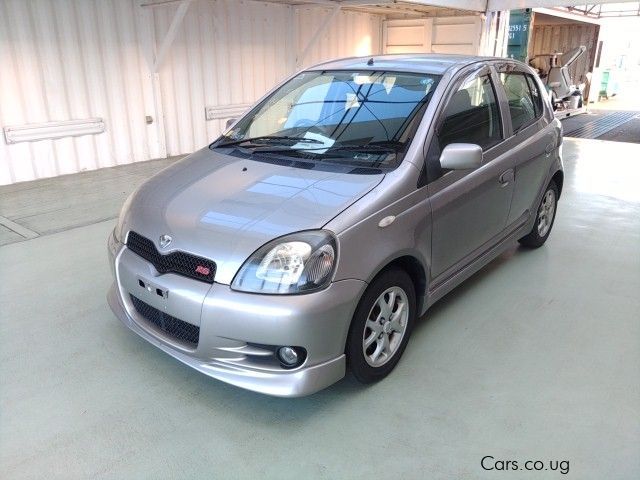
(225, 208)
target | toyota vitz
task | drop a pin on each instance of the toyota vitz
(310, 236)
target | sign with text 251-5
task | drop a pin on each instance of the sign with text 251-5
(517, 43)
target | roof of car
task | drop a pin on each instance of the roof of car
(413, 62)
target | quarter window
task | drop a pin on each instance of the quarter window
(523, 107)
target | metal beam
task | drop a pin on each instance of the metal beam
(577, 17)
(364, 3)
(159, 3)
(473, 5)
(316, 36)
(171, 33)
(469, 5)
(333, 3)
(516, 4)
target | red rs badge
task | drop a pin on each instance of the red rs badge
(202, 270)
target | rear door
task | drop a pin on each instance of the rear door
(532, 140)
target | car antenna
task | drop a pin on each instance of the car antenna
(370, 62)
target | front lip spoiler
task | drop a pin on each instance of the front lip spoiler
(296, 383)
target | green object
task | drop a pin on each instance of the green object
(518, 41)
(604, 84)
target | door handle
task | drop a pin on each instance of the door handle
(507, 177)
(548, 149)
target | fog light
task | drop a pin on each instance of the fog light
(289, 357)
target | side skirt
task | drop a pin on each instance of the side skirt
(444, 287)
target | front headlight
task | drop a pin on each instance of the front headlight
(298, 263)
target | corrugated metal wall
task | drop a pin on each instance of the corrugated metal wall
(352, 33)
(227, 53)
(72, 59)
(76, 59)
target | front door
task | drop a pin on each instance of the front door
(469, 208)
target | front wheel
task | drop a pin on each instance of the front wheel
(544, 218)
(381, 326)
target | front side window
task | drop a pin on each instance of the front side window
(357, 118)
(471, 115)
(523, 108)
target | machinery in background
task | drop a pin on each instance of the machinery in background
(566, 94)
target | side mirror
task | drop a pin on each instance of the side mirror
(230, 123)
(461, 156)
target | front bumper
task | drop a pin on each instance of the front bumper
(239, 331)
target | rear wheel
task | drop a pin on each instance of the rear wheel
(544, 218)
(381, 326)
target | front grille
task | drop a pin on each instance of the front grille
(176, 262)
(172, 326)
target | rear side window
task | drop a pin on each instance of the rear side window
(535, 94)
(523, 107)
(472, 115)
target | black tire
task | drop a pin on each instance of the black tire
(534, 238)
(356, 361)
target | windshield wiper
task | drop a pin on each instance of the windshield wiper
(365, 148)
(267, 139)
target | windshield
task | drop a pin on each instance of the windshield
(362, 119)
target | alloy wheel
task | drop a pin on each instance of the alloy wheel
(546, 212)
(385, 326)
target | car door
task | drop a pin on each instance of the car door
(532, 141)
(469, 208)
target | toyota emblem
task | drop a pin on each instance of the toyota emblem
(165, 240)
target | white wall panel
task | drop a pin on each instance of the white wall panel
(458, 34)
(493, 40)
(231, 52)
(227, 53)
(66, 60)
(407, 36)
(79, 59)
(351, 33)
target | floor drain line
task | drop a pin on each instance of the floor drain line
(602, 125)
(17, 228)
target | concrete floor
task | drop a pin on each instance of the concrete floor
(627, 99)
(537, 357)
(31, 209)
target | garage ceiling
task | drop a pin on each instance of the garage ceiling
(434, 7)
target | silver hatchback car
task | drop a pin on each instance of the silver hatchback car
(314, 232)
